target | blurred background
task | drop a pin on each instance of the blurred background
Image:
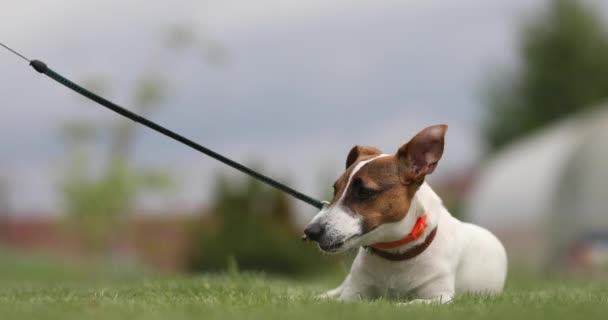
(288, 87)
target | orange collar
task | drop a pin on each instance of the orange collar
(414, 235)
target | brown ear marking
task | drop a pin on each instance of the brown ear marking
(419, 157)
(358, 152)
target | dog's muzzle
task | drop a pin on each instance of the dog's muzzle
(316, 232)
(322, 230)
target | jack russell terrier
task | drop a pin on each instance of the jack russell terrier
(409, 244)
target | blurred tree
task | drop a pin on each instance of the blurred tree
(564, 69)
(182, 36)
(252, 228)
(95, 203)
(101, 185)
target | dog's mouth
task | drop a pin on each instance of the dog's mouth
(332, 247)
(339, 246)
(326, 246)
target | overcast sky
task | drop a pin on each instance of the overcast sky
(302, 82)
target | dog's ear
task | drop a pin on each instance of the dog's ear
(359, 152)
(420, 156)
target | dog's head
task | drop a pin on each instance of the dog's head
(375, 190)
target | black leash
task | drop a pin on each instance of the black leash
(43, 68)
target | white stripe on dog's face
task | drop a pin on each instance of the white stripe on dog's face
(353, 173)
(339, 222)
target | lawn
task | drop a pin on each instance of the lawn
(36, 289)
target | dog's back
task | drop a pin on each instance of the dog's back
(483, 263)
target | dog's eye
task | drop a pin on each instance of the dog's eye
(362, 193)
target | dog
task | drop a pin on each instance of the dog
(410, 247)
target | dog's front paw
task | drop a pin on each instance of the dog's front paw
(417, 301)
(329, 295)
(439, 300)
(324, 296)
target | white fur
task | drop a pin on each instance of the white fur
(462, 257)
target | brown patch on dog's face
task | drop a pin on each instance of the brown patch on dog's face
(375, 192)
(382, 190)
(359, 153)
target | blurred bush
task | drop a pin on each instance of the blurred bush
(101, 185)
(252, 228)
(564, 69)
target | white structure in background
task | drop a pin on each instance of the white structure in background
(546, 196)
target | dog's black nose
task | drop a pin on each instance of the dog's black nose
(314, 231)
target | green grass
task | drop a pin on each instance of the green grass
(36, 289)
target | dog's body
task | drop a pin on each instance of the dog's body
(462, 258)
(409, 244)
